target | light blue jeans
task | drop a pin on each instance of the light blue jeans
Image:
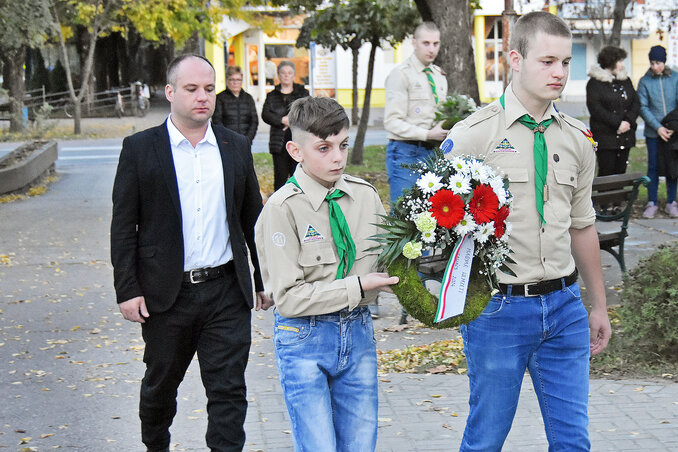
(328, 371)
(547, 334)
(399, 178)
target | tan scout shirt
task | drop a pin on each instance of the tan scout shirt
(410, 106)
(541, 253)
(297, 254)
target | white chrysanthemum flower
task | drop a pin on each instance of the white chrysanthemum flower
(460, 183)
(497, 184)
(479, 171)
(484, 232)
(460, 165)
(466, 225)
(430, 183)
(428, 237)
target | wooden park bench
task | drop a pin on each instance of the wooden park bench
(613, 198)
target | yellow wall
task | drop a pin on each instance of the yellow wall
(397, 54)
(640, 48)
(377, 100)
(479, 32)
(214, 51)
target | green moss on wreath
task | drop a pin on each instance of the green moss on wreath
(422, 305)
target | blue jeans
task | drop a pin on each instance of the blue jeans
(653, 174)
(328, 371)
(399, 178)
(547, 334)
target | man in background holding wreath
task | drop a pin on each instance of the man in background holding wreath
(537, 320)
(413, 91)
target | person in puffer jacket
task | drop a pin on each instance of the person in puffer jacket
(235, 108)
(658, 93)
(614, 107)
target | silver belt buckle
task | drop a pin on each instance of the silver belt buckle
(526, 288)
(190, 276)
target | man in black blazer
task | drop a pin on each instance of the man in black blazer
(185, 201)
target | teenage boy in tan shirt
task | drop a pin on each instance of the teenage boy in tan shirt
(537, 320)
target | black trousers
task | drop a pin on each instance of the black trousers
(283, 168)
(213, 319)
(612, 161)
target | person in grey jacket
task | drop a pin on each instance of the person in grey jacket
(658, 93)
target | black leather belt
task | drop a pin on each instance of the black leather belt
(200, 275)
(423, 144)
(539, 288)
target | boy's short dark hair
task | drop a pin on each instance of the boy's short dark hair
(321, 116)
(527, 27)
(609, 55)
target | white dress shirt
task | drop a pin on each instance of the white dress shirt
(200, 177)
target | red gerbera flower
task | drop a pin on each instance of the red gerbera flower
(500, 222)
(484, 204)
(447, 208)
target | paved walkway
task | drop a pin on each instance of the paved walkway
(71, 365)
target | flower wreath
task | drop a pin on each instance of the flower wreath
(450, 200)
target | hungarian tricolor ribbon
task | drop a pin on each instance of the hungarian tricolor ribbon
(455, 280)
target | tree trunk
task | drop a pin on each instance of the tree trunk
(77, 117)
(354, 95)
(453, 18)
(617, 20)
(358, 147)
(14, 61)
(192, 44)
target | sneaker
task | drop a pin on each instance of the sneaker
(650, 210)
(672, 209)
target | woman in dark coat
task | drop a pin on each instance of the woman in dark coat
(614, 106)
(274, 113)
(235, 108)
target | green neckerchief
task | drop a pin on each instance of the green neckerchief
(540, 157)
(429, 74)
(341, 234)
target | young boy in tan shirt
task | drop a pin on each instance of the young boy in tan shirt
(313, 239)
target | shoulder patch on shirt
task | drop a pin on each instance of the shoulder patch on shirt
(505, 146)
(312, 234)
(447, 145)
(278, 239)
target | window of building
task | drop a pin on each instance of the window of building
(494, 65)
(275, 53)
(578, 63)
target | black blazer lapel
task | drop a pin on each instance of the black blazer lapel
(227, 164)
(163, 150)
